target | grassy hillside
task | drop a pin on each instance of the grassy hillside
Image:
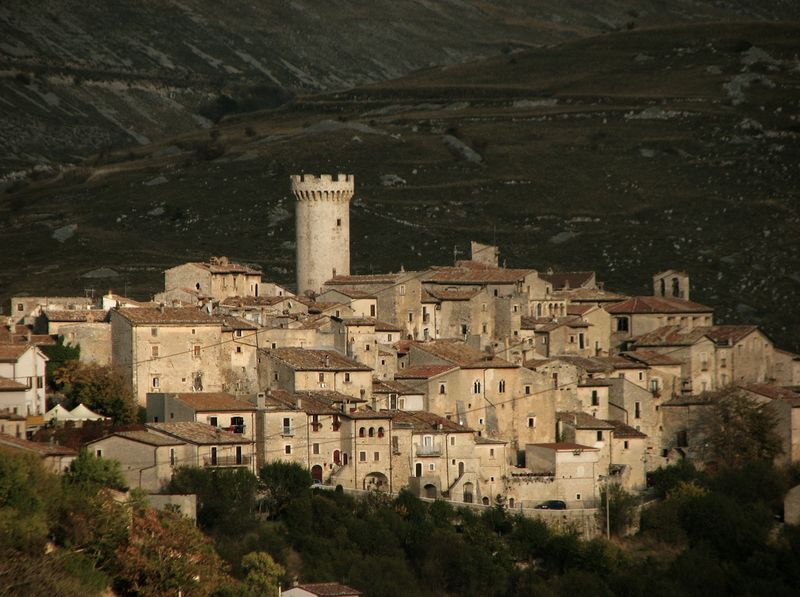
(81, 77)
(626, 153)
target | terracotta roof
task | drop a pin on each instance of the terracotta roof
(43, 449)
(579, 310)
(146, 437)
(724, 334)
(129, 301)
(619, 362)
(198, 433)
(301, 359)
(256, 301)
(10, 353)
(651, 358)
(548, 325)
(771, 391)
(82, 315)
(329, 589)
(564, 446)
(365, 279)
(423, 371)
(588, 364)
(424, 421)
(321, 402)
(222, 265)
(561, 280)
(462, 354)
(450, 294)
(472, 275)
(168, 316)
(488, 440)
(391, 386)
(623, 431)
(656, 304)
(10, 385)
(790, 354)
(671, 335)
(212, 401)
(380, 326)
(352, 293)
(582, 420)
(230, 324)
(589, 295)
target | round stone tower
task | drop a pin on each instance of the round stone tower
(322, 217)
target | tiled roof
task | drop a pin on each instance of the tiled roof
(488, 440)
(43, 449)
(255, 301)
(424, 421)
(314, 402)
(391, 386)
(364, 279)
(582, 420)
(723, 334)
(561, 280)
(651, 358)
(449, 294)
(671, 335)
(129, 301)
(771, 391)
(198, 433)
(462, 354)
(472, 275)
(168, 316)
(656, 304)
(212, 401)
(82, 315)
(10, 385)
(588, 364)
(352, 293)
(623, 431)
(571, 321)
(564, 446)
(329, 589)
(10, 353)
(423, 371)
(301, 359)
(618, 362)
(230, 324)
(380, 326)
(589, 295)
(221, 265)
(146, 437)
(579, 310)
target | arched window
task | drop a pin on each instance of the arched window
(380, 431)
(501, 387)
(361, 432)
(372, 432)
(476, 387)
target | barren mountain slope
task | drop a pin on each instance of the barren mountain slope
(626, 153)
(80, 77)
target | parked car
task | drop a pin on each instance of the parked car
(552, 505)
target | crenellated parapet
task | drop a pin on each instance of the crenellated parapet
(325, 187)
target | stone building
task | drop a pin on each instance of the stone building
(22, 377)
(25, 309)
(322, 227)
(88, 328)
(671, 283)
(642, 314)
(218, 279)
(168, 349)
(220, 410)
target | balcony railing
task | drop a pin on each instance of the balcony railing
(227, 461)
(288, 431)
(422, 450)
(237, 428)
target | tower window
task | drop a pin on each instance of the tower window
(339, 222)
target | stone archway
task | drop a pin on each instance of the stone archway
(377, 481)
(316, 473)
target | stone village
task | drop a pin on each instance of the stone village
(469, 382)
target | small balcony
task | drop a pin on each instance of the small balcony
(422, 451)
(210, 461)
(237, 428)
(287, 431)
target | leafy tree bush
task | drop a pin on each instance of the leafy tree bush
(59, 354)
(262, 574)
(90, 473)
(622, 508)
(101, 388)
(283, 482)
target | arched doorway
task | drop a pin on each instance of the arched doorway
(430, 491)
(485, 501)
(377, 481)
(337, 459)
(468, 492)
(316, 473)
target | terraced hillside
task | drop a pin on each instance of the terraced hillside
(626, 153)
(80, 77)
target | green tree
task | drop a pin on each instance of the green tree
(262, 574)
(58, 354)
(90, 473)
(283, 482)
(622, 508)
(738, 429)
(101, 388)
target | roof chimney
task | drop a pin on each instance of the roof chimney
(299, 403)
(261, 400)
(161, 308)
(327, 361)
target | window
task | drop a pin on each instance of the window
(595, 398)
(376, 456)
(532, 422)
(452, 440)
(172, 459)
(155, 382)
(213, 456)
(362, 431)
(347, 377)
(371, 432)
(20, 307)
(98, 453)
(196, 351)
(339, 222)
(491, 452)
(515, 308)
(381, 432)
(197, 381)
(321, 376)
(578, 496)
(476, 387)
(212, 421)
(287, 449)
(366, 347)
(362, 456)
(622, 324)
(431, 467)
(654, 385)
(501, 387)
(641, 375)
(154, 332)
(637, 410)
(572, 339)
(625, 445)
(527, 390)
(287, 426)
(274, 345)
(388, 337)
(154, 351)
(402, 403)
(315, 448)
(410, 317)
(484, 329)
(393, 401)
(238, 350)
(599, 436)
(442, 388)
(480, 421)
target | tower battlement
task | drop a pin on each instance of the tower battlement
(325, 187)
